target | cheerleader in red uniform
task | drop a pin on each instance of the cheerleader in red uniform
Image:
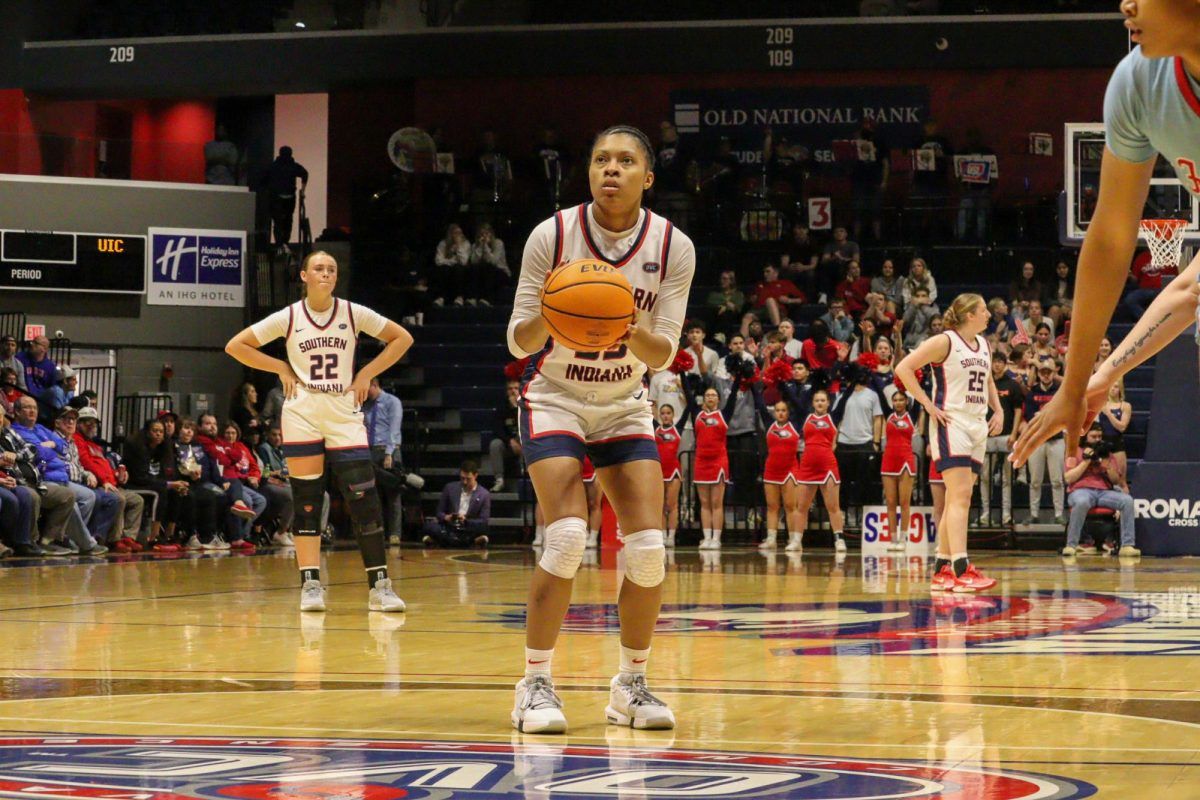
(898, 469)
(667, 435)
(594, 495)
(781, 471)
(819, 470)
(710, 470)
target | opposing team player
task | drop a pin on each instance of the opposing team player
(565, 417)
(1152, 106)
(963, 390)
(322, 417)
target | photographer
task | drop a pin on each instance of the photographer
(463, 512)
(1096, 481)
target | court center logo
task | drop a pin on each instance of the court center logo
(125, 768)
(194, 267)
(1050, 623)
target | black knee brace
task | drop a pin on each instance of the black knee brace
(308, 495)
(356, 480)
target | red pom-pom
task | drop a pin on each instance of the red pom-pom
(513, 370)
(900, 384)
(682, 363)
(869, 360)
(780, 371)
(748, 382)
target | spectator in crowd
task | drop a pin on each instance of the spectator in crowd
(1095, 481)
(724, 305)
(97, 458)
(272, 407)
(1057, 298)
(666, 389)
(837, 254)
(1063, 340)
(877, 313)
(753, 334)
(890, 285)
(242, 512)
(863, 340)
(19, 477)
(975, 201)
(1021, 365)
(9, 391)
(774, 296)
(869, 178)
(859, 418)
(785, 164)
(1114, 418)
(280, 181)
(222, 162)
(1042, 347)
(820, 349)
(930, 185)
(839, 323)
(791, 345)
(1048, 457)
(489, 267)
(491, 176)
(244, 411)
(919, 277)
(170, 421)
(243, 466)
(504, 450)
(40, 371)
(63, 390)
(9, 359)
(853, 289)
(55, 472)
(675, 173)
(150, 457)
(384, 416)
(1025, 287)
(704, 358)
(452, 260)
(463, 513)
(206, 487)
(107, 504)
(552, 168)
(771, 352)
(1001, 325)
(800, 262)
(919, 314)
(1146, 280)
(275, 486)
(1012, 400)
(1106, 348)
(1034, 317)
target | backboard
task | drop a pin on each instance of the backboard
(1083, 148)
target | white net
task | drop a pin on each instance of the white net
(1165, 239)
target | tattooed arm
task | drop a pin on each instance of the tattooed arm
(1168, 316)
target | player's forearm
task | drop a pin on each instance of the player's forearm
(652, 349)
(254, 358)
(1168, 316)
(529, 335)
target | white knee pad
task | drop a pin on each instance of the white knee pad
(566, 540)
(644, 558)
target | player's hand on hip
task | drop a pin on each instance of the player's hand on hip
(290, 382)
(359, 390)
(1061, 415)
(938, 414)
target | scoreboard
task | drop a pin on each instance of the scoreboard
(73, 262)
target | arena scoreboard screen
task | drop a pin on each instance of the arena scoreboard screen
(73, 262)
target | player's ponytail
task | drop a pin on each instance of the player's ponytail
(956, 314)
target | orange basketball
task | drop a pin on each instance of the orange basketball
(587, 304)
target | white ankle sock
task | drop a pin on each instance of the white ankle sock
(633, 661)
(537, 662)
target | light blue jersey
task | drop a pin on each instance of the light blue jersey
(1152, 106)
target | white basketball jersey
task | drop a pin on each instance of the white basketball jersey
(322, 356)
(646, 256)
(960, 383)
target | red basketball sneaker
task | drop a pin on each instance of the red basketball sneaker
(943, 581)
(972, 580)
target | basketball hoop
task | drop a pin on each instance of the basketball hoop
(1165, 238)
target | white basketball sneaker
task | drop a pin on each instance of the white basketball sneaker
(795, 542)
(384, 598)
(593, 540)
(631, 704)
(768, 542)
(537, 708)
(312, 596)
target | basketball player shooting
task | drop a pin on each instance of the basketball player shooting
(1152, 106)
(596, 403)
(322, 417)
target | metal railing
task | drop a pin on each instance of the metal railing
(132, 411)
(102, 381)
